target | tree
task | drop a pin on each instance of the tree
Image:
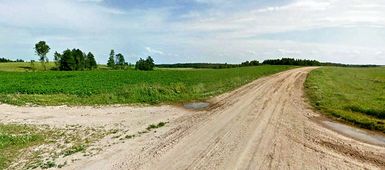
(67, 62)
(145, 65)
(90, 61)
(78, 55)
(111, 61)
(150, 63)
(57, 57)
(120, 60)
(42, 49)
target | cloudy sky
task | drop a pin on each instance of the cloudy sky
(347, 31)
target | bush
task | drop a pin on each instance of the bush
(145, 65)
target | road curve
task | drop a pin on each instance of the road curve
(263, 125)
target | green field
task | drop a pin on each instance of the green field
(15, 138)
(355, 95)
(124, 87)
(24, 67)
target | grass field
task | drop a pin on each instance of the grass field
(356, 95)
(24, 67)
(15, 138)
(124, 87)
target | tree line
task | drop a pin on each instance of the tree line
(5, 60)
(77, 60)
(118, 62)
(292, 61)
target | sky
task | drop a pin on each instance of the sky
(175, 31)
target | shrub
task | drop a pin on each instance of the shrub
(145, 65)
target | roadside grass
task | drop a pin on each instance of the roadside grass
(124, 87)
(42, 146)
(74, 149)
(355, 95)
(15, 138)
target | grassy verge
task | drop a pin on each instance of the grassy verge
(41, 146)
(124, 87)
(355, 95)
(15, 138)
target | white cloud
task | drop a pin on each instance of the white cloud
(154, 51)
(217, 34)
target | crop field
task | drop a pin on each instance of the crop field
(13, 139)
(124, 87)
(356, 95)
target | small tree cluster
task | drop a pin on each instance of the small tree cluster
(116, 61)
(250, 63)
(75, 59)
(145, 65)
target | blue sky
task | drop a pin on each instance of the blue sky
(348, 31)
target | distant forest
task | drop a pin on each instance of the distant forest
(4, 60)
(282, 61)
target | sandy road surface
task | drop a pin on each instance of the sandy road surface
(263, 125)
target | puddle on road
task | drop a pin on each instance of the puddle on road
(197, 105)
(356, 133)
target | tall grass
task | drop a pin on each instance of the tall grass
(13, 139)
(355, 95)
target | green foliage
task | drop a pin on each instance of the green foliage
(156, 126)
(145, 65)
(42, 49)
(67, 61)
(48, 164)
(355, 95)
(75, 59)
(111, 61)
(5, 60)
(90, 61)
(120, 87)
(210, 65)
(292, 61)
(199, 65)
(13, 139)
(118, 63)
(250, 63)
(74, 149)
(121, 62)
(57, 57)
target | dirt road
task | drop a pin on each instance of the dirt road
(263, 125)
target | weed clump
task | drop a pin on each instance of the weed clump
(156, 126)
